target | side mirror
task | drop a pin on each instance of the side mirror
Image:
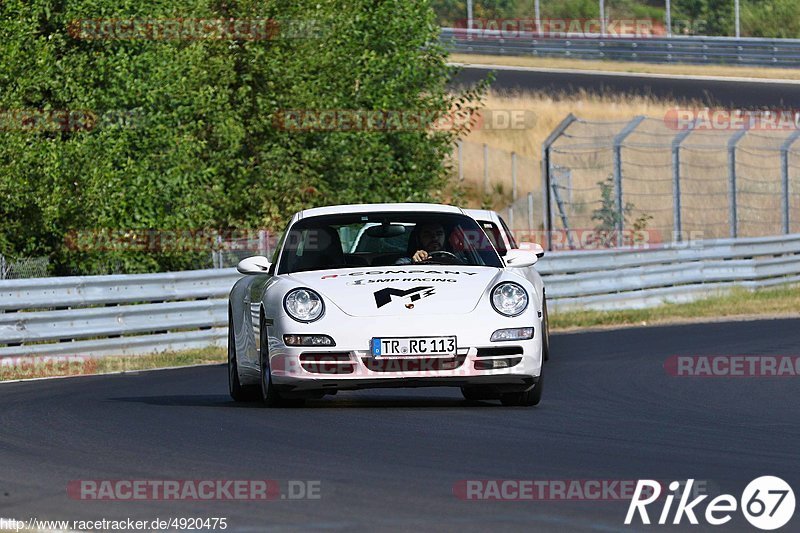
(257, 264)
(532, 247)
(520, 258)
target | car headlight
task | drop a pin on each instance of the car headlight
(303, 305)
(509, 298)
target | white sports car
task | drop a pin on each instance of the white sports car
(386, 295)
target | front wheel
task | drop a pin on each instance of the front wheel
(526, 398)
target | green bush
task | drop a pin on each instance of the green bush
(200, 149)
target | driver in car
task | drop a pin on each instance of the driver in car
(430, 237)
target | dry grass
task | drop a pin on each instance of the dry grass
(624, 66)
(544, 111)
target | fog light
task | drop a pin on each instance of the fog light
(512, 334)
(308, 340)
(494, 364)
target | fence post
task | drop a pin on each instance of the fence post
(785, 148)
(2, 266)
(485, 168)
(546, 205)
(733, 219)
(530, 212)
(513, 176)
(460, 145)
(677, 227)
(618, 140)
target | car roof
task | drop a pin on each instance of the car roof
(372, 208)
(481, 213)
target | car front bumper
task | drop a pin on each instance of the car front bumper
(505, 366)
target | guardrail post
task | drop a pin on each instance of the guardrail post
(485, 168)
(733, 219)
(618, 140)
(785, 148)
(546, 204)
(513, 176)
(676, 183)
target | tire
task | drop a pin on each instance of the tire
(239, 392)
(527, 398)
(270, 396)
(478, 393)
(545, 332)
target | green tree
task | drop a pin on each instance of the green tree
(202, 150)
(777, 19)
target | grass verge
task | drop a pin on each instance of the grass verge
(75, 365)
(726, 71)
(738, 303)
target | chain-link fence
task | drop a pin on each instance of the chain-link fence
(502, 180)
(641, 179)
(26, 267)
(675, 185)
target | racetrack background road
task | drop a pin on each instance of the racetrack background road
(720, 92)
(388, 459)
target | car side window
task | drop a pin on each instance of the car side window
(511, 240)
(493, 232)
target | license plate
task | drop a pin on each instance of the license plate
(387, 347)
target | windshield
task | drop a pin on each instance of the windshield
(385, 239)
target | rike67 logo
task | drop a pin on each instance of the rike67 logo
(767, 503)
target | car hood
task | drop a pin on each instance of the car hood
(387, 291)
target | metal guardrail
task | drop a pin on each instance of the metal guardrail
(118, 314)
(676, 49)
(136, 314)
(624, 279)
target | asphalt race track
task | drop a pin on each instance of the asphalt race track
(389, 459)
(724, 93)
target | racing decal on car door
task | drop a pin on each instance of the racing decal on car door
(384, 296)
